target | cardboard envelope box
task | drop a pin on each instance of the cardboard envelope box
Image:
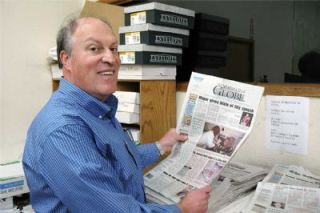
(154, 35)
(128, 97)
(209, 42)
(212, 24)
(147, 70)
(159, 14)
(148, 54)
(128, 117)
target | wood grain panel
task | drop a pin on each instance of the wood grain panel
(285, 89)
(291, 89)
(55, 85)
(157, 109)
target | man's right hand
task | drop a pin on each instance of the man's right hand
(196, 201)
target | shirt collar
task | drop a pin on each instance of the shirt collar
(100, 109)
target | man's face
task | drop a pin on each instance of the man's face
(229, 142)
(94, 61)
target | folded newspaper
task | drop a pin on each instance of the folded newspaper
(217, 115)
(287, 188)
(236, 181)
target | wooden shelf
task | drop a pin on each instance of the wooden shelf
(157, 106)
(285, 89)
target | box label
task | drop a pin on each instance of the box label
(132, 38)
(163, 58)
(138, 18)
(174, 19)
(127, 57)
(170, 40)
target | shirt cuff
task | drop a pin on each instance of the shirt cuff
(159, 147)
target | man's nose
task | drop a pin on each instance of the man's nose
(109, 56)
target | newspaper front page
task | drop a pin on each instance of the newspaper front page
(217, 115)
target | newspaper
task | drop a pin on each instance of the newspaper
(217, 115)
(236, 180)
(238, 206)
(287, 188)
(292, 175)
(279, 198)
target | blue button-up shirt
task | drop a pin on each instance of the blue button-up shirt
(77, 158)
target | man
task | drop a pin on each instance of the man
(77, 157)
(210, 138)
(226, 147)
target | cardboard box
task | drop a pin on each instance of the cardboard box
(128, 107)
(127, 117)
(128, 97)
(211, 24)
(159, 14)
(154, 35)
(146, 77)
(148, 54)
(118, 2)
(209, 42)
(112, 13)
(147, 70)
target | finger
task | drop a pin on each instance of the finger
(182, 137)
(206, 189)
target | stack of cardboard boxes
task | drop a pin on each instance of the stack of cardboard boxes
(152, 40)
(207, 47)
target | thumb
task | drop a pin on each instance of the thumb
(206, 189)
(182, 137)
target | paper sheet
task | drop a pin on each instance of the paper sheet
(287, 119)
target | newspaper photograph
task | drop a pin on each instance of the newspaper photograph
(217, 116)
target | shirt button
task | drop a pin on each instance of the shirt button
(100, 117)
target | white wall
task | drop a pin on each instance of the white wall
(254, 150)
(1, 77)
(27, 31)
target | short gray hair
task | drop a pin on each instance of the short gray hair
(66, 31)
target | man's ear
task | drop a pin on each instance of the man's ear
(65, 59)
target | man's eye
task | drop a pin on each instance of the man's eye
(93, 49)
(114, 50)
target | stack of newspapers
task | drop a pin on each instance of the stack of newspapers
(212, 116)
(287, 188)
(236, 181)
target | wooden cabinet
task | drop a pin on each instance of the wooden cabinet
(157, 106)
